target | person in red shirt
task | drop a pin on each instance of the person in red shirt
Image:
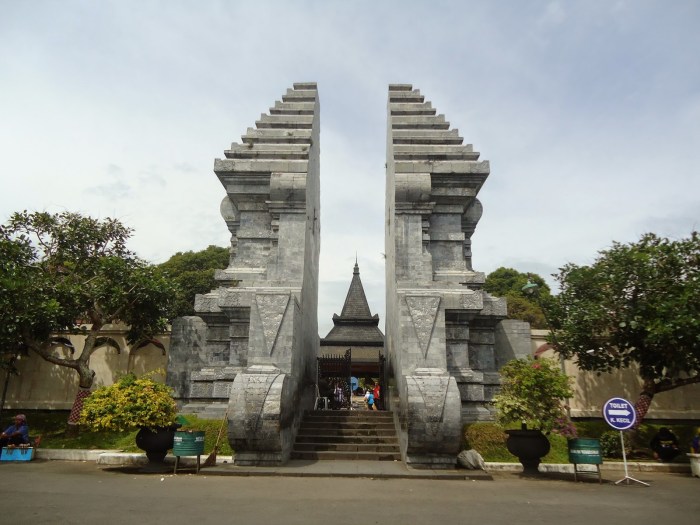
(376, 392)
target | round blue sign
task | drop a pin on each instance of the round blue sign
(619, 413)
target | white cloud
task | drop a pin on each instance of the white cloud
(589, 118)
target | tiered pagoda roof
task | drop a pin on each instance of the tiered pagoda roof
(355, 326)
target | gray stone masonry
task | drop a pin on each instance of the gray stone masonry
(256, 337)
(441, 325)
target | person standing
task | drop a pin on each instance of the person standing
(376, 393)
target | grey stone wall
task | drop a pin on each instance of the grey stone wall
(440, 324)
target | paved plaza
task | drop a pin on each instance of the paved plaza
(81, 492)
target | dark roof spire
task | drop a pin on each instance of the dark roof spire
(355, 324)
(356, 300)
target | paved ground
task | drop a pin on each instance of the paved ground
(81, 492)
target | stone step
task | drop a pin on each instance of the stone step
(339, 420)
(346, 429)
(205, 410)
(292, 108)
(369, 440)
(420, 125)
(403, 97)
(260, 166)
(434, 152)
(347, 434)
(413, 109)
(268, 151)
(345, 456)
(353, 432)
(284, 121)
(300, 95)
(347, 447)
(277, 136)
(426, 136)
(385, 417)
(350, 414)
(305, 85)
(400, 87)
(418, 119)
(472, 167)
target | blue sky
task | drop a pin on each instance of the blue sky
(589, 112)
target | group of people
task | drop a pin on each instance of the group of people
(665, 445)
(16, 434)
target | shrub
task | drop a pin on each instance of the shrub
(610, 444)
(531, 393)
(128, 404)
(489, 440)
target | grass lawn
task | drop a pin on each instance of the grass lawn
(51, 426)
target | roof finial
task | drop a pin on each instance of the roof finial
(356, 270)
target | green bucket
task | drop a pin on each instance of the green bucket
(585, 451)
(188, 443)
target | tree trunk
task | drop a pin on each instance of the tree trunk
(641, 407)
(87, 377)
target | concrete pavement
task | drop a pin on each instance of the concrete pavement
(369, 469)
(80, 492)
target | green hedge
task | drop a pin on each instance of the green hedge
(489, 440)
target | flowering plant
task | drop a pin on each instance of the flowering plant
(129, 403)
(531, 393)
(564, 427)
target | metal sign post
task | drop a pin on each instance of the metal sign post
(620, 415)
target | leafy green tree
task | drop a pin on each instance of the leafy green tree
(193, 273)
(71, 274)
(638, 303)
(508, 283)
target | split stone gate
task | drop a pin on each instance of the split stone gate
(251, 349)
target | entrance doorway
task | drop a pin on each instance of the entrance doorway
(341, 379)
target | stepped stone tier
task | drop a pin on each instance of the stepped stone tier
(253, 344)
(444, 336)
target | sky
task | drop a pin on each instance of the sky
(588, 111)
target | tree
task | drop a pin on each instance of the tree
(638, 303)
(193, 273)
(70, 274)
(508, 283)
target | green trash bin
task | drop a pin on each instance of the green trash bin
(585, 451)
(188, 443)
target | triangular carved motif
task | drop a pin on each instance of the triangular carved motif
(423, 310)
(271, 308)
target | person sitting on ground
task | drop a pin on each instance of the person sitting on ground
(665, 445)
(17, 434)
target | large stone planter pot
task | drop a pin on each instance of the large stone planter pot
(529, 446)
(694, 464)
(155, 444)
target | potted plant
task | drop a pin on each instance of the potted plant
(135, 403)
(532, 394)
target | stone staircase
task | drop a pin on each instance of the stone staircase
(347, 435)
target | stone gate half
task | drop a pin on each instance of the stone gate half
(441, 327)
(254, 341)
